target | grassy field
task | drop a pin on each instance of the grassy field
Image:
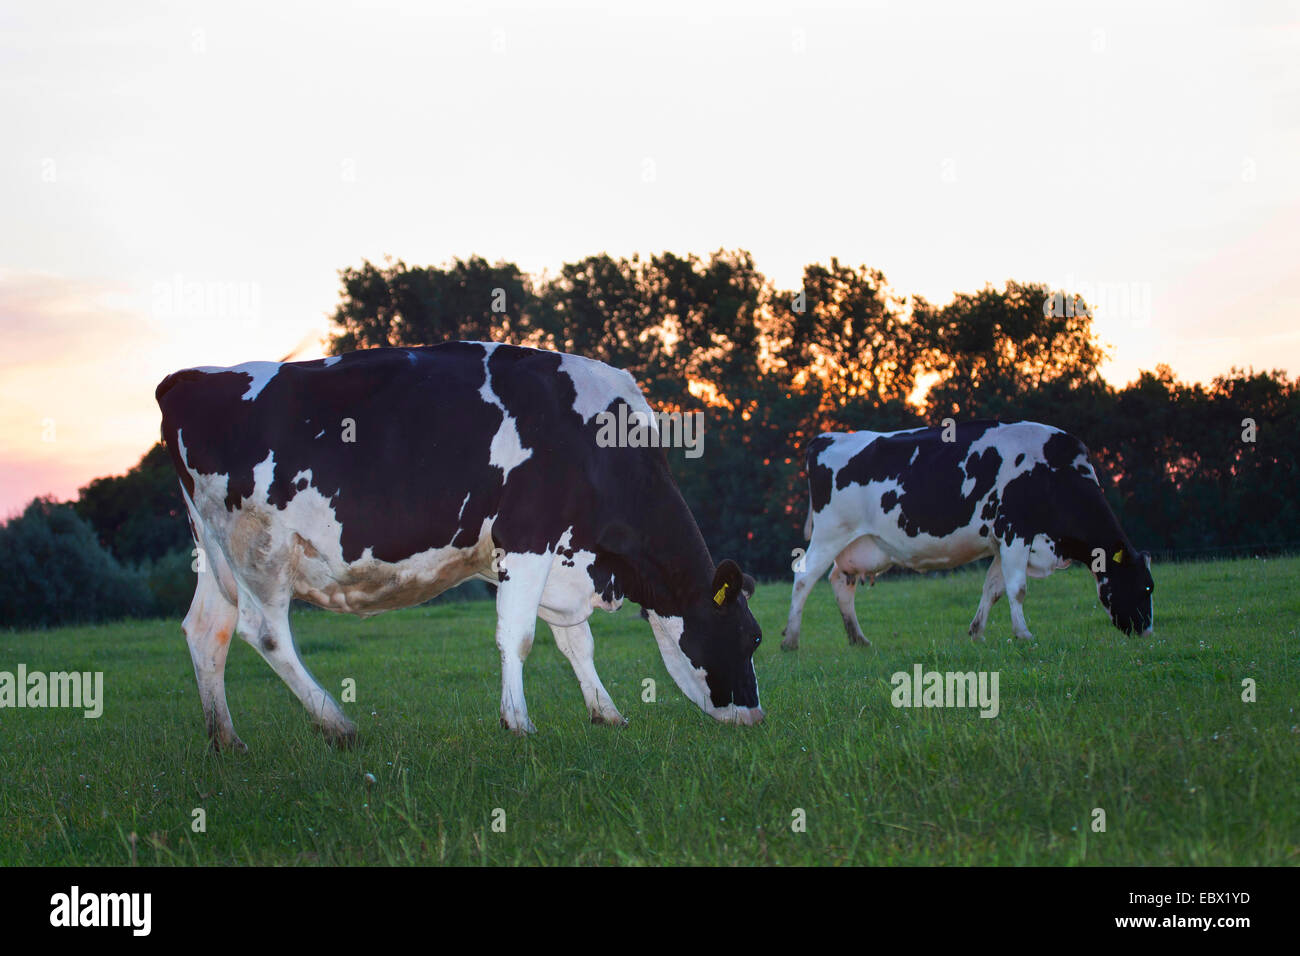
(1153, 731)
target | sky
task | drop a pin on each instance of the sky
(181, 182)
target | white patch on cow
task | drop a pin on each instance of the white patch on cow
(332, 360)
(217, 486)
(259, 374)
(857, 512)
(596, 384)
(508, 451)
(322, 432)
(263, 475)
(462, 509)
(1084, 466)
(1010, 442)
(1043, 557)
(844, 446)
(570, 596)
(691, 679)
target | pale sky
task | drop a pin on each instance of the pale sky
(1144, 154)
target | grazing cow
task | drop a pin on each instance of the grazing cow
(930, 498)
(378, 479)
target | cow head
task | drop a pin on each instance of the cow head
(709, 649)
(1125, 590)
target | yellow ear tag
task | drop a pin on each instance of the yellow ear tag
(1118, 557)
(720, 596)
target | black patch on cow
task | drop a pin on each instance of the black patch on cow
(931, 472)
(1019, 458)
(819, 476)
(1062, 449)
(268, 643)
(1062, 504)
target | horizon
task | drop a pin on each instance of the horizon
(1148, 154)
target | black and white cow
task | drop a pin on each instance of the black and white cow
(378, 479)
(1022, 493)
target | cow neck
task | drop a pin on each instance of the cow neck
(672, 565)
(1104, 532)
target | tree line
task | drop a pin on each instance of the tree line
(1187, 467)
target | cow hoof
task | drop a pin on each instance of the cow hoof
(859, 642)
(518, 729)
(976, 635)
(233, 745)
(614, 719)
(344, 737)
(789, 645)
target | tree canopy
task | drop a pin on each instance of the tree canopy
(771, 368)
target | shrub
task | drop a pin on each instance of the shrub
(171, 582)
(54, 572)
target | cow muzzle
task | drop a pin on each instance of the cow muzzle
(742, 716)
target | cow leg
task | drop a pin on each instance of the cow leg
(818, 560)
(519, 594)
(577, 644)
(208, 628)
(1015, 575)
(993, 590)
(267, 630)
(844, 587)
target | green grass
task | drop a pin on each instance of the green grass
(1152, 730)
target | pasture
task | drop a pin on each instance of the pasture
(1153, 731)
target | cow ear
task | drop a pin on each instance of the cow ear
(727, 583)
(748, 586)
